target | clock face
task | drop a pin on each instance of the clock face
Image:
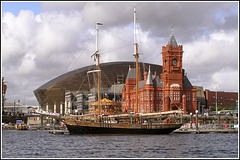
(174, 62)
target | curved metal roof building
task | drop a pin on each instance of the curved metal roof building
(53, 92)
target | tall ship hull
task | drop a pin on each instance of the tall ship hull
(75, 129)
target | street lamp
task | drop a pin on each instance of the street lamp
(219, 117)
(196, 119)
(191, 120)
(18, 104)
(14, 108)
(216, 103)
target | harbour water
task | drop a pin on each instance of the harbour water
(42, 144)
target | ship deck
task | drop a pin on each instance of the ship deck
(122, 125)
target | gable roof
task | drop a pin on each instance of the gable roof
(131, 73)
(187, 83)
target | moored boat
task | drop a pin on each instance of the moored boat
(120, 123)
(77, 127)
(20, 125)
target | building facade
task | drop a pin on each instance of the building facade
(223, 99)
(170, 91)
(17, 108)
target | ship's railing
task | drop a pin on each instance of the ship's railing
(160, 117)
(149, 114)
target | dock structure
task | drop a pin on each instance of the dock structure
(209, 124)
(204, 131)
(208, 128)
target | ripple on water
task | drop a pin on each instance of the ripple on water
(41, 144)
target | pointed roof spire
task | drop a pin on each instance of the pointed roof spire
(131, 73)
(172, 41)
(149, 77)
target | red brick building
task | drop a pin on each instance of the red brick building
(171, 91)
(224, 99)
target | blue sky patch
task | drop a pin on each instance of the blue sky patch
(15, 7)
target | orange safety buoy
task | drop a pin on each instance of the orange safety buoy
(170, 121)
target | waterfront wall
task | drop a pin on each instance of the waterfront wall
(12, 119)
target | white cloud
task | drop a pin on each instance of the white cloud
(27, 65)
(224, 37)
(58, 32)
(225, 80)
(212, 55)
(17, 34)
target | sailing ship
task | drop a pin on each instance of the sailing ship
(121, 123)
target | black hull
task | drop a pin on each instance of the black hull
(75, 129)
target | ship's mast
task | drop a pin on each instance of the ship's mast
(96, 57)
(98, 67)
(135, 54)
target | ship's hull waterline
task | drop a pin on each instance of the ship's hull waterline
(78, 127)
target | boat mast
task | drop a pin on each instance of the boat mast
(135, 54)
(96, 58)
(98, 66)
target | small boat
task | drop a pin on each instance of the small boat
(20, 125)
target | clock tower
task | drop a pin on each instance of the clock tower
(172, 74)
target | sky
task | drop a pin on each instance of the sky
(43, 40)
